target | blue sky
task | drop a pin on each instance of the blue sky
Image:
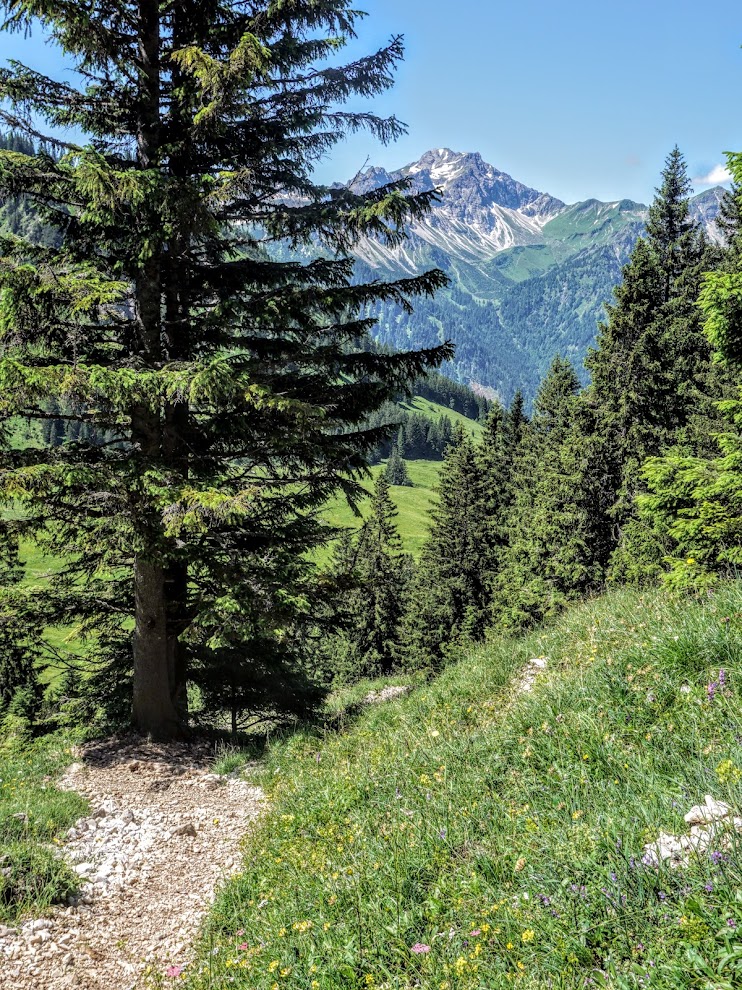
(576, 98)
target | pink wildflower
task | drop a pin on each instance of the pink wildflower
(174, 971)
(419, 948)
(477, 931)
(243, 947)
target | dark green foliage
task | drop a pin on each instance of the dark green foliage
(225, 395)
(550, 557)
(447, 602)
(497, 456)
(371, 575)
(395, 471)
(652, 375)
(694, 490)
(449, 393)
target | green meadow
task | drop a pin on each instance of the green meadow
(469, 836)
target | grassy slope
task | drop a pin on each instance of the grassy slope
(413, 504)
(33, 815)
(505, 833)
(434, 410)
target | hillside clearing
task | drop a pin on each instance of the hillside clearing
(414, 504)
(460, 838)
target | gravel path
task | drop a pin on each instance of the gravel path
(163, 832)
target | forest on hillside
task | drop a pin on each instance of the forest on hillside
(180, 399)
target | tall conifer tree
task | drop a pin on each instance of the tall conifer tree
(549, 559)
(651, 369)
(448, 598)
(225, 392)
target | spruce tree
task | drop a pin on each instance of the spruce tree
(549, 558)
(651, 369)
(395, 471)
(694, 489)
(370, 574)
(448, 598)
(225, 386)
(497, 456)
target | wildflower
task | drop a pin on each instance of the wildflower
(174, 971)
(528, 935)
(711, 690)
(273, 965)
(731, 923)
(419, 948)
(520, 865)
(243, 947)
(477, 931)
(722, 677)
(716, 857)
(708, 887)
(442, 833)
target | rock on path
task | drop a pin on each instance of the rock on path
(162, 833)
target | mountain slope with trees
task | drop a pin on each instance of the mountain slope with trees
(529, 275)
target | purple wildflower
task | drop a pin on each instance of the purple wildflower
(722, 677)
(442, 833)
(708, 887)
(731, 923)
(711, 690)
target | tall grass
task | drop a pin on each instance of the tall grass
(33, 817)
(466, 837)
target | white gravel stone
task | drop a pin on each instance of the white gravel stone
(143, 895)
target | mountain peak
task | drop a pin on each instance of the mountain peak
(475, 194)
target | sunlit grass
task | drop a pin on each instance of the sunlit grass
(464, 837)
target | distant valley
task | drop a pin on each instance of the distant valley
(529, 274)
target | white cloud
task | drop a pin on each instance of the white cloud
(718, 174)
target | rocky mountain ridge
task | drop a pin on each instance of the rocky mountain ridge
(529, 273)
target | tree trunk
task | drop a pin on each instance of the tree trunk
(153, 709)
(155, 658)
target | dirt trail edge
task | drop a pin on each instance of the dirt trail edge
(162, 833)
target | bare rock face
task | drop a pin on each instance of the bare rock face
(149, 860)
